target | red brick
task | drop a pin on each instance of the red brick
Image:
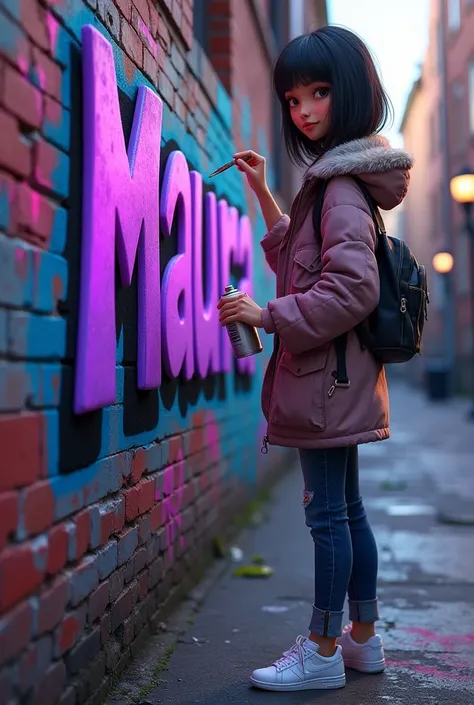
(83, 532)
(15, 632)
(143, 585)
(125, 7)
(132, 498)
(50, 686)
(138, 464)
(187, 32)
(45, 162)
(132, 43)
(52, 605)
(25, 564)
(48, 73)
(142, 7)
(8, 189)
(21, 440)
(35, 216)
(38, 508)
(15, 153)
(33, 19)
(8, 516)
(98, 602)
(150, 66)
(69, 631)
(156, 517)
(164, 35)
(146, 495)
(21, 98)
(58, 540)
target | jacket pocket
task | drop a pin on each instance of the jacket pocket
(306, 268)
(298, 395)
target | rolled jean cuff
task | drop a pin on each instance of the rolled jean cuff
(364, 611)
(326, 623)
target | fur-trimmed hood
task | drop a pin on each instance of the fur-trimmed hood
(384, 169)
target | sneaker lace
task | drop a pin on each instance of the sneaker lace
(296, 653)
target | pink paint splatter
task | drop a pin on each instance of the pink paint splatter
(22, 65)
(35, 205)
(147, 34)
(52, 26)
(430, 671)
(447, 642)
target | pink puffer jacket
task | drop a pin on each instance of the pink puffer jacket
(324, 291)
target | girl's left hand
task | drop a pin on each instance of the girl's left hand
(240, 308)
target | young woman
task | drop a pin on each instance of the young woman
(333, 106)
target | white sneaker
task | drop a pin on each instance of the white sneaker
(367, 658)
(302, 668)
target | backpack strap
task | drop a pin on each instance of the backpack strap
(341, 378)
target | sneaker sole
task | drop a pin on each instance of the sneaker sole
(373, 667)
(317, 684)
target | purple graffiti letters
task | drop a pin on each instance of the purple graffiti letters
(206, 325)
(123, 212)
(177, 278)
(120, 207)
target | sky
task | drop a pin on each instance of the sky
(398, 38)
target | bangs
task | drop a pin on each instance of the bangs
(303, 61)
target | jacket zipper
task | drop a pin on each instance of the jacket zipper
(264, 448)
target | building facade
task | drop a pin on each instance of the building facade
(438, 129)
(129, 435)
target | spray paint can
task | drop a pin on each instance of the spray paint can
(244, 339)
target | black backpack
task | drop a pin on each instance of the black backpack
(394, 329)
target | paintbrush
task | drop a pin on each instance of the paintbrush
(227, 166)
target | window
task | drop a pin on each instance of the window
(454, 14)
(471, 96)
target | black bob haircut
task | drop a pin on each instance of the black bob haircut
(359, 104)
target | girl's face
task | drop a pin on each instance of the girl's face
(310, 109)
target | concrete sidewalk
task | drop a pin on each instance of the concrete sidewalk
(416, 486)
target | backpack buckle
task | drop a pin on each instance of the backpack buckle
(337, 383)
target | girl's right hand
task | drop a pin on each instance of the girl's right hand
(255, 169)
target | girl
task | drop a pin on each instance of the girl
(333, 105)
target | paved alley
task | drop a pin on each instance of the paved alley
(419, 492)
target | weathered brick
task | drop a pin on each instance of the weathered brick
(45, 385)
(22, 463)
(83, 532)
(144, 529)
(15, 152)
(138, 464)
(156, 517)
(15, 632)
(56, 123)
(36, 508)
(132, 497)
(129, 571)
(107, 559)
(155, 572)
(83, 580)
(52, 605)
(69, 631)
(51, 685)
(84, 652)
(96, 673)
(127, 543)
(153, 547)
(57, 549)
(98, 602)
(132, 43)
(124, 605)
(36, 336)
(21, 98)
(33, 19)
(51, 168)
(146, 495)
(15, 384)
(51, 280)
(8, 516)
(112, 654)
(36, 216)
(34, 662)
(46, 74)
(125, 7)
(105, 628)
(116, 583)
(139, 560)
(143, 585)
(127, 630)
(27, 562)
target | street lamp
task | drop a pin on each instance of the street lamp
(443, 262)
(439, 372)
(462, 190)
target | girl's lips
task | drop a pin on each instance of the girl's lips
(309, 125)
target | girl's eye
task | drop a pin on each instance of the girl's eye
(321, 92)
(292, 102)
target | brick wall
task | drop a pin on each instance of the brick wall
(104, 515)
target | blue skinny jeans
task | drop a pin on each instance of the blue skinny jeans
(345, 552)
